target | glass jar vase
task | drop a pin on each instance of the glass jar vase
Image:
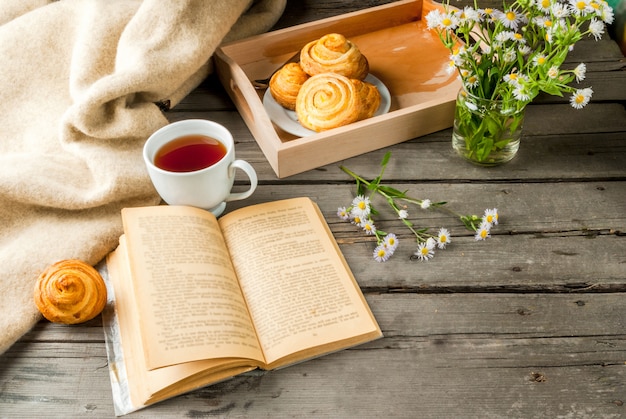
(486, 132)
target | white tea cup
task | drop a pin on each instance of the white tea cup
(185, 181)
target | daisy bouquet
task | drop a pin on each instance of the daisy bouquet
(513, 54)
(361, 213)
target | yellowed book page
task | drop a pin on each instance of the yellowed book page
(142, 384)
(300, 292)
(189, 302)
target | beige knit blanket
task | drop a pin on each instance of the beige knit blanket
(78, 84)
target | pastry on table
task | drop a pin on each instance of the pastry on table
(70, 292)
(336, 54)
(326, 101)
(369, 97)
(285, 85)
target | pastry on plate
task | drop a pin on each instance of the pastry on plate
(336, 54)
(327, 100)
(285, 85)
(369, 97)
(70, 292)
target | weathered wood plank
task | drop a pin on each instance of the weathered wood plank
(558, 143)
(548, 237)
(463, 355)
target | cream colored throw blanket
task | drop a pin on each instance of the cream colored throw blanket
(78, 84)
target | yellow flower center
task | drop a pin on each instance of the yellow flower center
(446, 22)
(541, 60)
(391, 242)
(490, 218)
(443, 239)
(545, 3)
(483, 233)
(510, 15)
(548, 23)
(381, 253)
(580, 5)
(361, 205)
(580, 99)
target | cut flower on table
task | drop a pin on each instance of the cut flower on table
(360, 212)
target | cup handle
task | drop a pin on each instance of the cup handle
(249, 170)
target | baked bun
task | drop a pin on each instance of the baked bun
(336, 54)
(369, 96)
(326, 101)
(70, 292)
(285, 85)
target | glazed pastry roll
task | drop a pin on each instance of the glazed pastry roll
(326, 101)
(285, 85)
(334, 53)
(70, 292)
(369, 97)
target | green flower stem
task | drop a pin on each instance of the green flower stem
(471, 222)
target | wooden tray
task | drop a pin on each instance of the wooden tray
(408, 58)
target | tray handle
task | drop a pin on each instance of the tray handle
(242, 101)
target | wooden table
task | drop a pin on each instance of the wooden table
(530, 323)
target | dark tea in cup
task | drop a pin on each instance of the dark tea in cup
(189, 153)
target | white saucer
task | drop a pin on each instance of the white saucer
(288, 121)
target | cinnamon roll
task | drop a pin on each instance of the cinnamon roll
(70, 292)
(285, 85)
(369, 98)
(326, 101)
(334, 53)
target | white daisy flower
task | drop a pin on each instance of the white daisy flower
(580, 7)
(471, 15)
(539, 59)
(606, 13)
(382, 253)
(544, 5)
(483, 231)
(425, 204)
(509, 56)
(580, 72)
(356, 220)
(521, 93)
(510, 19)
(424, 253)
(433, 19)
(390, 241)
(596, 28)
(369, 227)
(361, 206)
(553, 72)
(581, 98)
(559, 10)
(471, 80)
(343, 213)
(491, 216)
(512, 78)
(443, 238)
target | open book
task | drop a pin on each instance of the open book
(199, 299)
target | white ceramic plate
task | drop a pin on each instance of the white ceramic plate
(288, 121)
